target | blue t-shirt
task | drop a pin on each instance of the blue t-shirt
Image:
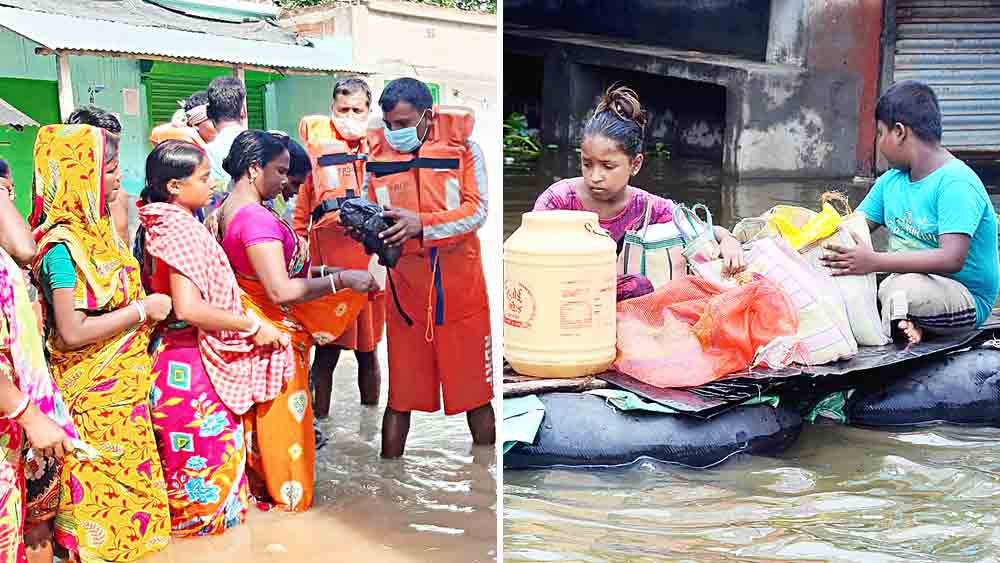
(952, 199)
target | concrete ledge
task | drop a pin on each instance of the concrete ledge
(519, 34)
(780, 120)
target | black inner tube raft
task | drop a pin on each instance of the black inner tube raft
(959, 388)
(583, 430)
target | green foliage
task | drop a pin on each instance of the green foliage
(660, 150)
(488, 6)
(517, 139)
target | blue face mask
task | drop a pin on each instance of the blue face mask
(405, 140)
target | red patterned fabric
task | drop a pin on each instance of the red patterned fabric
(241, 373)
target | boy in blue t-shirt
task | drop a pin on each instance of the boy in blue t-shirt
(942, 226)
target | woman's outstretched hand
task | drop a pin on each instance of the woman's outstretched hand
(361, 281)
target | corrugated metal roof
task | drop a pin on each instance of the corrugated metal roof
(146, 14)
(9, 115)
(63, 32)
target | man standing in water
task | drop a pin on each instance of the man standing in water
(338, 147)
(431, 179)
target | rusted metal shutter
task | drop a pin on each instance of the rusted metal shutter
(954, 46)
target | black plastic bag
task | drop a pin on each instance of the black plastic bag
(366, 218)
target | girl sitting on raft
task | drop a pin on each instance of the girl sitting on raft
(610, 154)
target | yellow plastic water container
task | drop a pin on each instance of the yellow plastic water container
(559, 295)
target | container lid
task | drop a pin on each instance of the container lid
(561, 219)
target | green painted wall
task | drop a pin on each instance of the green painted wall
(39, 100)
(298, 96)
(116, 75)
(20, 61)
(33, 96)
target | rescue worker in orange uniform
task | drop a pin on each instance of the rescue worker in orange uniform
(431, 180)
(338, 148)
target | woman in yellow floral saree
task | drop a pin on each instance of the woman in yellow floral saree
(112, 507)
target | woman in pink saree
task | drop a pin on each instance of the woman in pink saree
(214, 360)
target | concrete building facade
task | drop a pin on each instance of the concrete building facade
(783, 88)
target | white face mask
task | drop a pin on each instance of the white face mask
(351, 128)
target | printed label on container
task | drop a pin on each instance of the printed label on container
(519, 306)
(575, 312)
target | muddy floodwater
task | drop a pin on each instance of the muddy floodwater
(839, 494)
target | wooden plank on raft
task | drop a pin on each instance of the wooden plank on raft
(515, 385)
(536, 386)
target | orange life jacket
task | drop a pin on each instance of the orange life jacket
(338, 170)
(429, 180)
(444, 182)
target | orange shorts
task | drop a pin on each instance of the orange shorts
(457, 364)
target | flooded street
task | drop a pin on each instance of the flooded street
(437, 503)
(840, 494)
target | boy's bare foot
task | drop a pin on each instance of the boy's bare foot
(913, 332)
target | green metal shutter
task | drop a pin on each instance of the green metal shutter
(168, 82)
(162, 93)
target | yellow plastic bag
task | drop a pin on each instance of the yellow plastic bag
(807, 232)
(801, 229)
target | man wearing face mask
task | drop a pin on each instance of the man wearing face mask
(338, 149)
(431, 179)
